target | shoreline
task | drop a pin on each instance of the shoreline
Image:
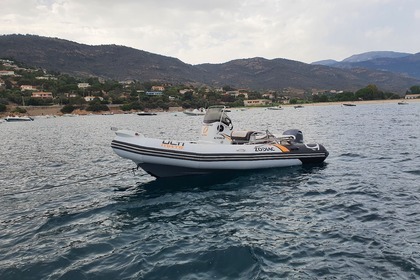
(41, 111)
(365, 102)
(54, 110)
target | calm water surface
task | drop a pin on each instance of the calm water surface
(72, 209)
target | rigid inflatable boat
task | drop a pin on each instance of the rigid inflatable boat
(219, 148)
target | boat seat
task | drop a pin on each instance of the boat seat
(241, 136)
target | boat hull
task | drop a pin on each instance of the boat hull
(167, 158)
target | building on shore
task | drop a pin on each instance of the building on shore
(42, 94)
(256, 102)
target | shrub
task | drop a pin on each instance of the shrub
(125, 107)
(67, 109)
(132, 106)
(97, 107)
(19, 110)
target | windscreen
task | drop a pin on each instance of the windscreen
(216, 114)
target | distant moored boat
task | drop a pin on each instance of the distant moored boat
(146, 114)
(275, 108)
(18, 119)
(195, 112)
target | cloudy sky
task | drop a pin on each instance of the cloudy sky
(216, 31)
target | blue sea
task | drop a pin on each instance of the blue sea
(72, 209)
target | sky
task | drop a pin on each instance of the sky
(217, 31)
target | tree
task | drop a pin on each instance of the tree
(320, 98)
(132, 106)
(228, 88)
(9, 84)
(254, 95)
(39, 101)
(187, 96)
(344, 96)
(371, 92)
(228, 98)
(415, 89)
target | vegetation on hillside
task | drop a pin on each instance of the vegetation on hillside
(136, 95)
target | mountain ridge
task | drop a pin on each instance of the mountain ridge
(405, 64)
(124, 63)
(374, 55)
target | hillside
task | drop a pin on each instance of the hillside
(122, 63)
(282, 73)
(106, 61)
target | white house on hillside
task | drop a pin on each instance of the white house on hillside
(42, 94)
(158, 88)
(412, 96)
(83, 85)
(27, 87)
(7, 73)
(91, 98)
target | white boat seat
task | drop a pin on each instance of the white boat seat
(241, 136)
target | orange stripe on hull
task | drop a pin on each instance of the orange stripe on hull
(282, 148)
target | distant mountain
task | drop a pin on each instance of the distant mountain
(374, 55)
(326, 62)
(261, 73)
(106, 61)
(121, 63)
(405, 64)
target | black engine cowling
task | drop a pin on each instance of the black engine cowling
(296, 133)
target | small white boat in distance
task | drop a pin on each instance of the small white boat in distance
(219, 149)
(275, 108)
(18, 119)
(146, 114)
(196, 112)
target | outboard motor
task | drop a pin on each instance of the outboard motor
(296, 133)
(217, 126)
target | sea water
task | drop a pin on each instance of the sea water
(72, 209)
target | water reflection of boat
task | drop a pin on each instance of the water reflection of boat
(219, 149)
(195, 112)
(18, 119)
